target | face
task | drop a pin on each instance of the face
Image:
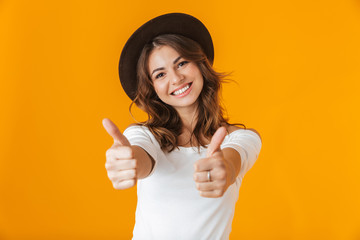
(177, 81)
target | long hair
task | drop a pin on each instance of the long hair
(163, 120)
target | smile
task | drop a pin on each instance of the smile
(182, 90)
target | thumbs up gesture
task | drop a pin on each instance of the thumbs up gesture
(120, 162)
(212, 174)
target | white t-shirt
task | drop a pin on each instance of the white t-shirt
(169, 205)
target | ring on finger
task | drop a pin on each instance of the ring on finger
(208, 176)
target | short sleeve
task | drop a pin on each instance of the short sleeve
(142, 137)
(248, 144)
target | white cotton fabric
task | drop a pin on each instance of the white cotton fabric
(169, 205)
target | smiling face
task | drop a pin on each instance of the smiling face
(177, 81)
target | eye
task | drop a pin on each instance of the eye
(182, 63)
(159, 75)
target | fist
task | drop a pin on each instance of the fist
(212, 173)
(120, 162)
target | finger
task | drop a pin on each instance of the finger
(124, 184)
(215, 176)
(114, 132)
(121, 175)
(211, 194)
(121, 165)
(216, 141)
(202, 176)
(206, 186)
(119, 152)
(204, 164)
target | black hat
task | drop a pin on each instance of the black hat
(172, 23)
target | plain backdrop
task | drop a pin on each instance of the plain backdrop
(296, 67)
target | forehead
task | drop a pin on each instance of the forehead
(162, 56)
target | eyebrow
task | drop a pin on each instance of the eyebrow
(157, 69)
(161, 68)
(177, 59)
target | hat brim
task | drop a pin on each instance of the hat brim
(172, 23)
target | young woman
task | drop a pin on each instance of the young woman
(187, 160)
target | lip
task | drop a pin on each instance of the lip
(184, 93)
(182, 86)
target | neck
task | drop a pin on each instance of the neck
(188, 117)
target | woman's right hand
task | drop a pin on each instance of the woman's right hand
(121, 164)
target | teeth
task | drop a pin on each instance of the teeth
(181, 90)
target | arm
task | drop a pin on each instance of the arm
(221, 165)
(125, 163)
(145, 162)
(251, 129)
(224, 165)
(246, 146)
(233, 162)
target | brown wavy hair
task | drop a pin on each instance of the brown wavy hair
(163, 120)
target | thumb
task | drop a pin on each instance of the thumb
(216, 141)
(114, 132)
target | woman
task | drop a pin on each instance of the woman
(187, 159)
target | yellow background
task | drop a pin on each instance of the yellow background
(297, 65)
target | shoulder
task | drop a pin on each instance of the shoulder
(232, 128)
(136, 125)
(251, 129)
(137, 129)
(133, 125)
(137, 133)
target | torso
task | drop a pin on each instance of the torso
(184, 138)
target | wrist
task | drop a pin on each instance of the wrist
(231, 174)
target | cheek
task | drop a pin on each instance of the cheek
(159, 87)
(200, 78)
(195, 71)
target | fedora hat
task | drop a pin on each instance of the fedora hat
(171, 23)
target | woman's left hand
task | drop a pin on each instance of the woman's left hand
(213, 174)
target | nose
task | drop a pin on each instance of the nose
(176, 77)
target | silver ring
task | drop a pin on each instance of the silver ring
(208, 176)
